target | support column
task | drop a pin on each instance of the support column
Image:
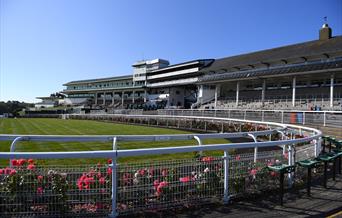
(216, 93)
(263, 91)
(332, 90)
(113, 100)
(104, 99)
(293, 91)
(133, 96)
(201, 93)
(122, 99)
(237, 93)
(96, 98)
(145, 96)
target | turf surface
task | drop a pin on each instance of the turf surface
(46, 126)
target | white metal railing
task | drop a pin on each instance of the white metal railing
(324, 118)
(284, 142)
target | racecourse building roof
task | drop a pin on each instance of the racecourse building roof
(309, 67)
(281, 56)
(99, 80)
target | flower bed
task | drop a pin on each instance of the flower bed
(30, 189)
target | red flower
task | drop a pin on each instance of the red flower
(109, 161)
(30, 161)
(88, 180)
(2, 171)
(7, 170)
(156, 183)
(253, 172)
(141, 172)
(80, 186)
(12, 172)
(185, 179)
(31, 167)
(109, 171)
(102, 180)
(98, 175)
(40, 190)
(208, 159)
(21, 162)
(161, 186)
(150, 171)
(40, 178)
(164, 172)
(14, 162)
(237, 157)
(273, 173)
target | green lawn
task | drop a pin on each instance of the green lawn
(46, 126)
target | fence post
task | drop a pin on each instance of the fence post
(226, 178)
(324, 118)
(12, 149)
(282, 116)
(317, 143)
(303, 118)
(114, 184)
(255, 148)
(199, 141)
(262, 116)
(290, 163)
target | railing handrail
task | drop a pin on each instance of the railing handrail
(150, 151)
(251, 110)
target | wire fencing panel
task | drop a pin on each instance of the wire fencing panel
(27, 189)
(168, 184)
(247, 176)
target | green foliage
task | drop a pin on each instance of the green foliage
(13, 107)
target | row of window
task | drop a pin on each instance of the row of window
(102, 85)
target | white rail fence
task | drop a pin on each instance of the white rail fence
(121, 188)
(324, 118)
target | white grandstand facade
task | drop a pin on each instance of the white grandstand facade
(304, 76)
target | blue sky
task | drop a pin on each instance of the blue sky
(45, 43)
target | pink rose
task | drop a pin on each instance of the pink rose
(40, 190)
(31, 167)
(185, 179)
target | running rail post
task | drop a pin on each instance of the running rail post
(318, 143)
(199, 143)
(226, 177)
(12, 149)
(290, 163)
(255, 148)
(283, 136)
(114, 183)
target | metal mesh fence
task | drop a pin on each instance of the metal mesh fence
(27, 189)
(167, 184)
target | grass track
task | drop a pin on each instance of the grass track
(46, 126)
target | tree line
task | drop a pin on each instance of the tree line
(13, 107)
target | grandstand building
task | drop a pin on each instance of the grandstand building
(305, 76)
